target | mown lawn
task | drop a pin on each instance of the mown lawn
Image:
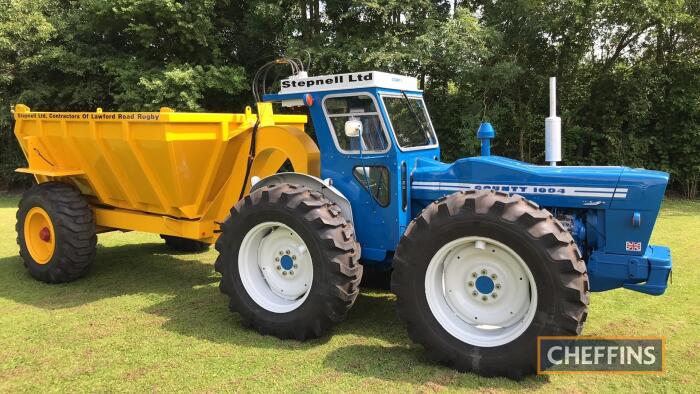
(146, 320)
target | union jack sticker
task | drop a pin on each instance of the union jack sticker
(633, 246)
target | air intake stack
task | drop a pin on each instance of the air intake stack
(552, 127)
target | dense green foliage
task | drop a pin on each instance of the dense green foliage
(628, 70)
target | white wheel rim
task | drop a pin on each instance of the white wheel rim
(275, 267)
(481, 291)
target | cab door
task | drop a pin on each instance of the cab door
(361, 168)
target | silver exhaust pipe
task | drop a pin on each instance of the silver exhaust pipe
(552, 128)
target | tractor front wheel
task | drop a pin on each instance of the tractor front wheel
(55, 232)
(480, 275)
(289, 261)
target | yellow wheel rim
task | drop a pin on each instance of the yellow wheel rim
(39, 235)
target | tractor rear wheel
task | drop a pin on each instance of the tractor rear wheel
(480, 275)
(55, 232)
(184, 244)
(289, 262)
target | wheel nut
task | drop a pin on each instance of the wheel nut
(277, 259)
(484, 298)
(284, 273)
(498, 285)
(294, 257)
(287, 251)
(281, 253)
(471, 284)
(474, 275)
(291, 272)
(296, 266)
(279, 267)
(493, 276)
(494, 295)
(474, 293)
(483, 272)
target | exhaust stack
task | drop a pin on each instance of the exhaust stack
(552, 128)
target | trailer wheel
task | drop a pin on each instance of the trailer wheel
(289, 262)
(480, 275)
(55, 232)
(184, 244)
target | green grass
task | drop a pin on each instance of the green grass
(145, 320)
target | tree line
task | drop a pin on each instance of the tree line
(628, 70)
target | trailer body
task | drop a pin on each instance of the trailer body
(163, 172)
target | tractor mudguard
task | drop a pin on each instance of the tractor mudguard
(324, 187)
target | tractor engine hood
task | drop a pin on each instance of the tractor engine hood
(611, 210)
(566, 187)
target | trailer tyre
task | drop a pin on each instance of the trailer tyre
(55, 232)
(184, 244)
(480, 275)
(289, 262)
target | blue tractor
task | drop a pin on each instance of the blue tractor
(487, 253)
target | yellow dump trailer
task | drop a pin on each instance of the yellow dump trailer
(175, 174)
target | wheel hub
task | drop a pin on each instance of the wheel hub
(286, 265)
(286, 262)
(484, 284)
(45, 234)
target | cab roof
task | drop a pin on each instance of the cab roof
(364, 79)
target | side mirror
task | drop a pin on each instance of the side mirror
(353, 128)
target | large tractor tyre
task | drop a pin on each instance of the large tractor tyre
(186, 245)
(55, 232)
(289, 262)
(480, 275)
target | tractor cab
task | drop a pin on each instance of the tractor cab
(371, 127)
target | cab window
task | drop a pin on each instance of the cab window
(410, 121)
(362, 110)
(376, 180)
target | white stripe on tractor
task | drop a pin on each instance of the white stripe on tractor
(569, 191)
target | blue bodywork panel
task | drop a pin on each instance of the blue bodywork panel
(611, 210)
(610, 271)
